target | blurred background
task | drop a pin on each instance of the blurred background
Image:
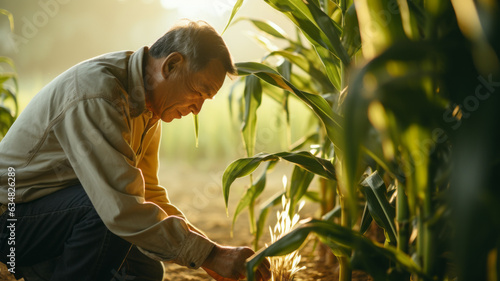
(50, 36)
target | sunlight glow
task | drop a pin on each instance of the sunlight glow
(283, 268)
(200, 9)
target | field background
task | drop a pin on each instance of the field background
(49, 38)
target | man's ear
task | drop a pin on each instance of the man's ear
(172, 62)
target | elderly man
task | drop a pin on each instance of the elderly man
(79, 167)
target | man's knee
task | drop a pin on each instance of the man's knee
(142, 267)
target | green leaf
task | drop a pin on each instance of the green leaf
(10, 16)
(236, 7)
(301, 179)
(351, 37)
(267, 27)
(264, 212)
(366, 220)
(240, 168)
(380, 209)
(312, 138)
(317, 103)
(332, 66)
(305, 64)
(231, 94)
(373, 83)
(196, 128)
(250, 195)
(333, 213)
(379, 32)
(7, 94)
(6, 120)
(313, 196)
(336, 237)
(329, 27)
(317, 26)
(245, 166)
(8, 61)
(253, 97)
(274, 93)
(6, 76)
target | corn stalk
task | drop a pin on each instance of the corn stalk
(390, 96)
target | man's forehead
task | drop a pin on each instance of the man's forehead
(211, 79)
(211, 86)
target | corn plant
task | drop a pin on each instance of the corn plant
(408, 126)
(8, 88)
(284, 268)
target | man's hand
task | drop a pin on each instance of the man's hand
(228, 264)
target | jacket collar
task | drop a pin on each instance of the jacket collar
(137, 94)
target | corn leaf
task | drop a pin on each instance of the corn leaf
(7, 94)
(8, 61)
(379, 26)
(231, 95)
(264, 212)
(366, 220)
(317, 103)
(6, 120)
(253, 97)
(300, 181)
(307, 65)
(245, 166)
(251, 194)
(6, 76)
(334, 236)
(10, 16)
(333, 213)
(380, 209)
(196, 128)
(236, 7)
(274, 93)
(267, 27)
(313, 196)
(299, 13)
(350, 35)
(317, 26)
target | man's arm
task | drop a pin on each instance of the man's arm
(222, 260)
(93, 135)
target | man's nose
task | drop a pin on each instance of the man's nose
(197, 106)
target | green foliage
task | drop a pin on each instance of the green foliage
(340, 240)
(378, 205)
(403, 89)
(8, 88)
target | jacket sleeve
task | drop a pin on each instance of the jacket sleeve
(154, 192)
(93, 135)
(149, 167)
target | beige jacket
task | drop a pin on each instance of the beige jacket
(90, 125)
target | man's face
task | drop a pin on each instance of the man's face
(182, 92)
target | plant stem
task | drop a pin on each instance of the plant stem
(431, 260)
(328, 203)
(345, 273)
(253, 225)
(344, 264)
(402, 212)
(251, 217)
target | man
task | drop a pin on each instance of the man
(83, 157)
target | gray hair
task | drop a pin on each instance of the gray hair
(198, 42)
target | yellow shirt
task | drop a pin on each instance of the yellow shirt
(90, 125)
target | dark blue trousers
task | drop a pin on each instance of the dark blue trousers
(60, 237)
